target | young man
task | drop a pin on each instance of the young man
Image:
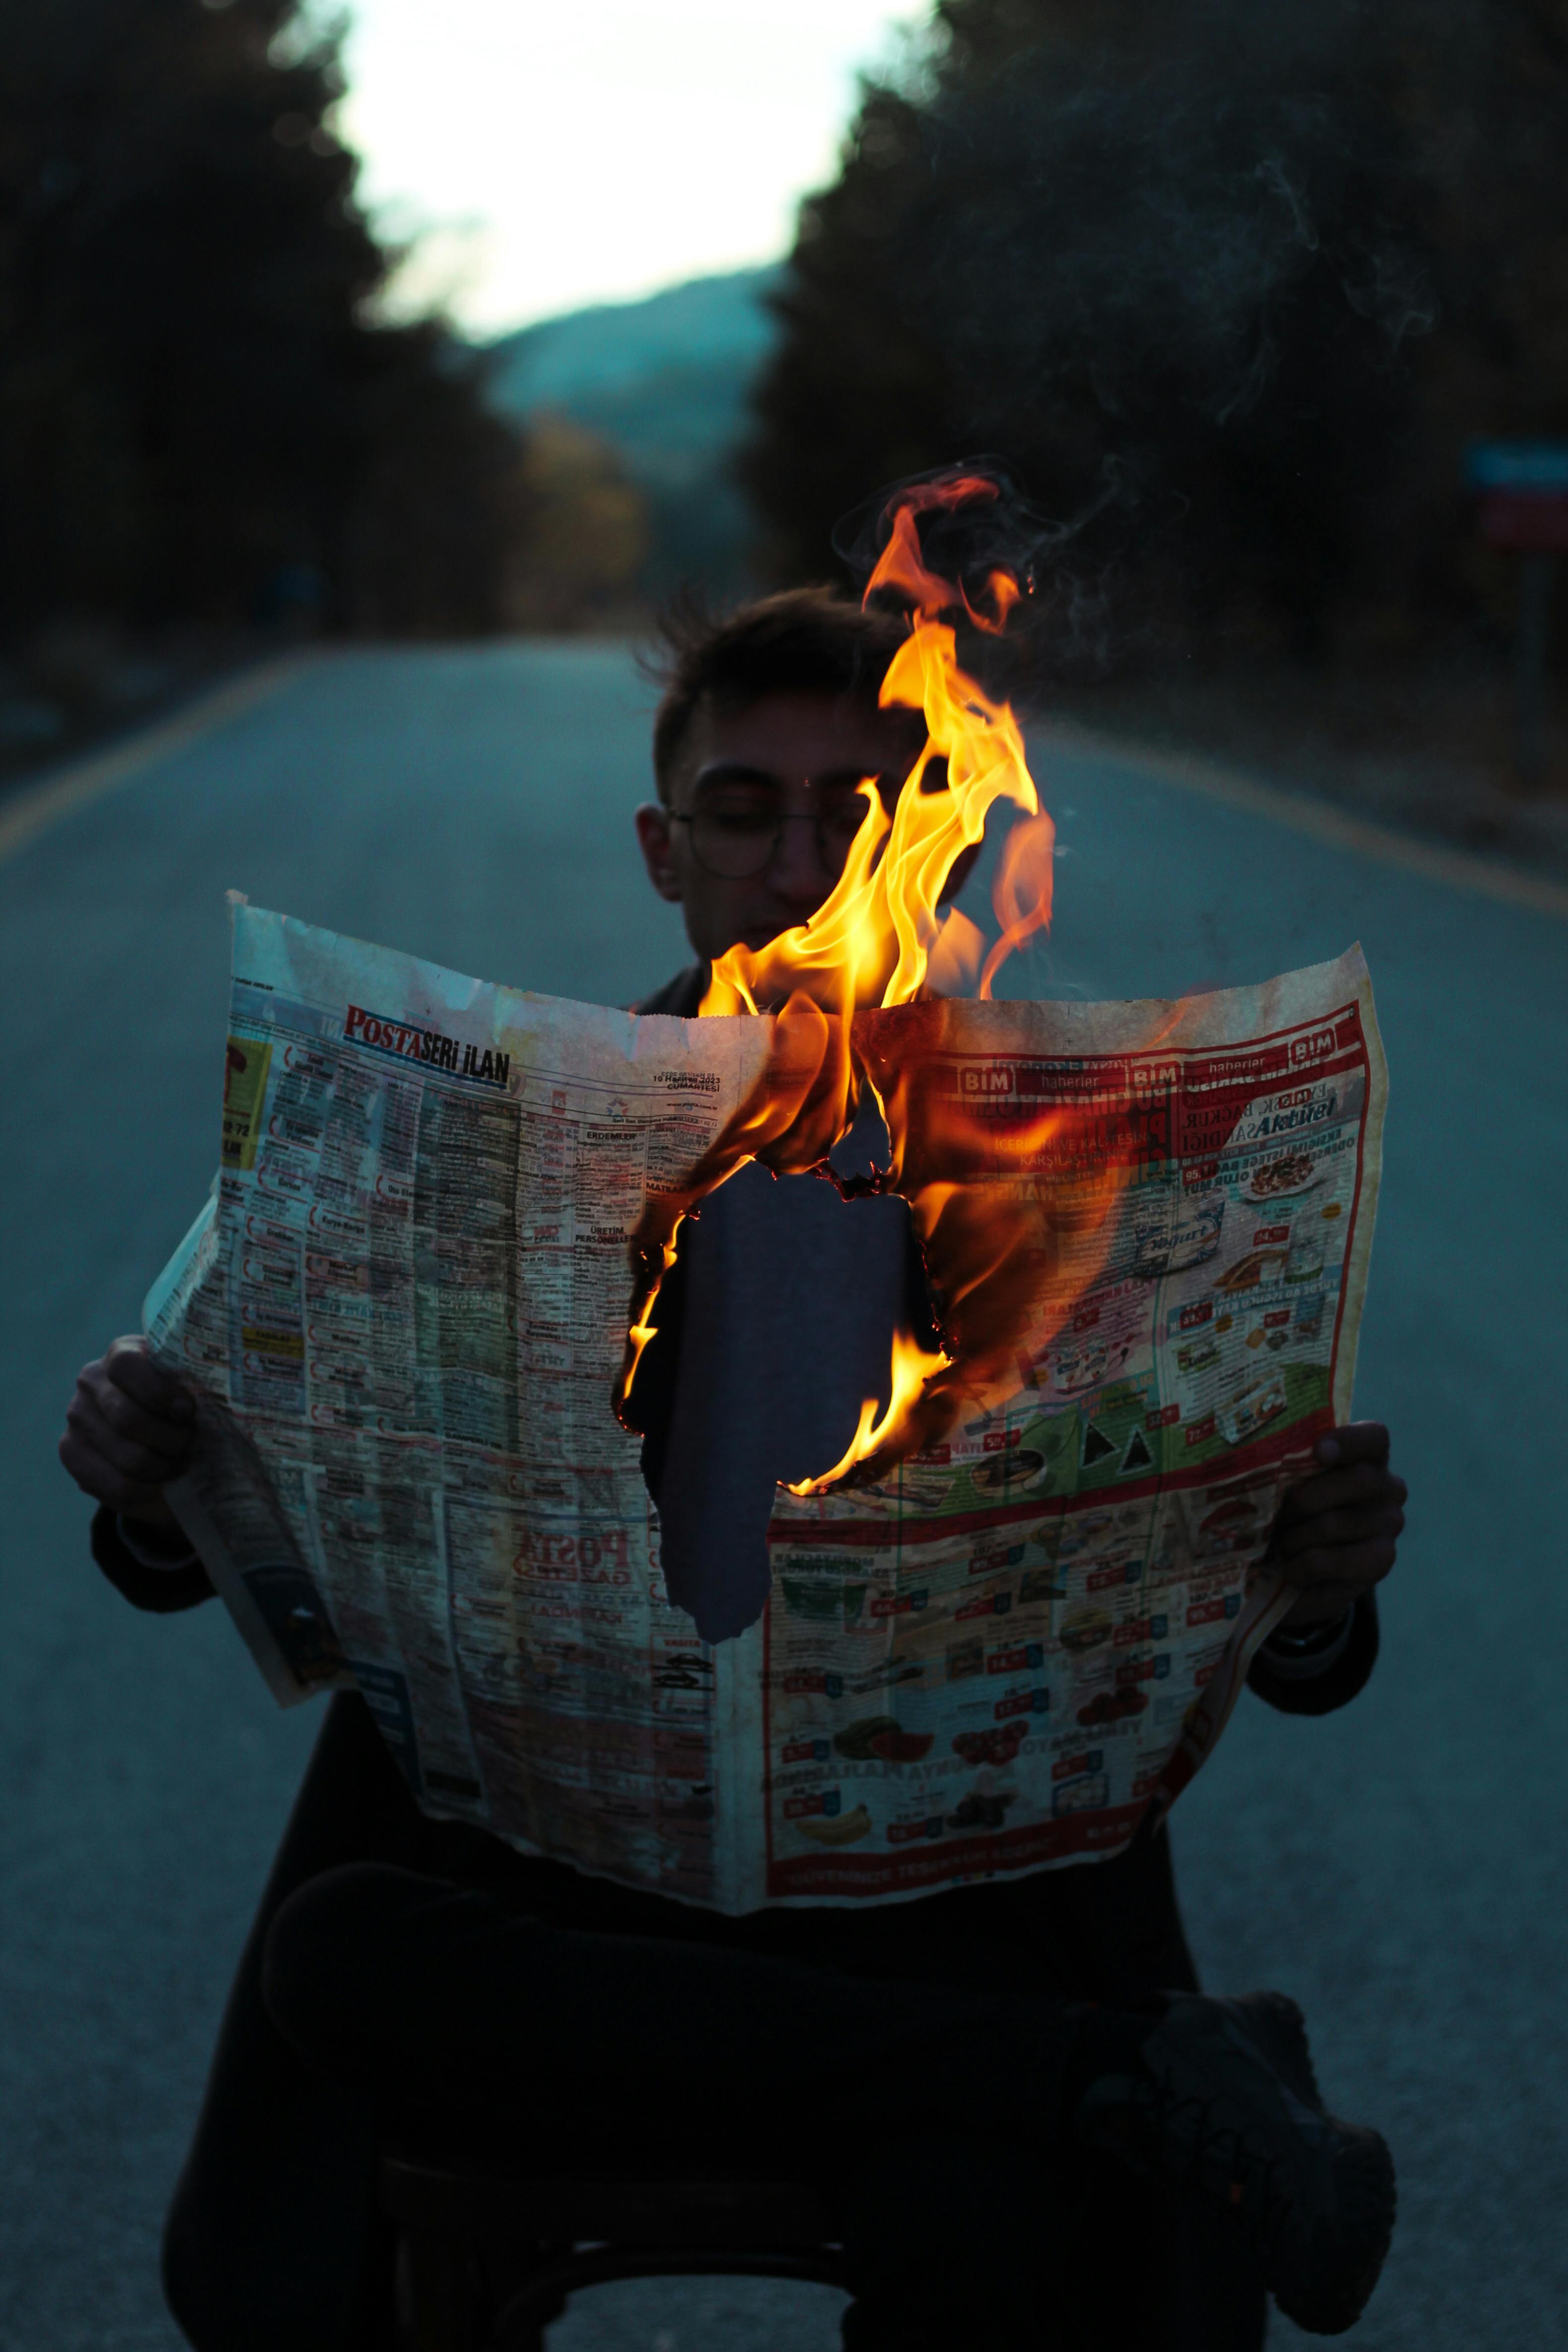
(1033, 2126)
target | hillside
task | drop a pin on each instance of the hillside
(664, 381)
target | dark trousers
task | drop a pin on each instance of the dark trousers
(377, 1991)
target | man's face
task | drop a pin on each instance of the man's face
(763, 806)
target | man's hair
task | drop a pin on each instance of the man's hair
(802, 641)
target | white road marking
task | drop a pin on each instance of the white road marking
(1320, 820)
(35, 808)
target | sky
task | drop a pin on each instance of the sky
(554, 156)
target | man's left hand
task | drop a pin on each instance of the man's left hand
(1338, 1529)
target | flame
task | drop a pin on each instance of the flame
(1014, 1220)
(956, 955)
(869, 944)
(901, 565)
(881, 940)
(1021, 894)
(913, 1369)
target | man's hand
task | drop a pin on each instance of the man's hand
(1337, 1530)
(129, 1430)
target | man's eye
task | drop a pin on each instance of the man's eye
(843, 817)
(740, 816)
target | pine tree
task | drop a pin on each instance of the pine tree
(194, 399)
(1229, 287)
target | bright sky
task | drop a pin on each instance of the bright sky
(559, 154)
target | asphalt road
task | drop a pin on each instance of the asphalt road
(1398, 1867)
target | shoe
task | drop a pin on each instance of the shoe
(1222, 2096)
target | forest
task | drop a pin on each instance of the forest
(1231, 290)
(203, 420)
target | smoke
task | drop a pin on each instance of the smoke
(998, 528)
(1190, 276)
(1156, 239)
(1182, 263)
(993, 529)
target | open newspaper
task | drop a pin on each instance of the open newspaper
(404, 1312)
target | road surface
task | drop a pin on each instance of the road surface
(1399, 1867)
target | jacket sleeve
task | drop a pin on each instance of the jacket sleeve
(180, 1585)
(681, 996)
(1302, 1684)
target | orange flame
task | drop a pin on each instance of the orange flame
(879, 941)
(1021, 894)
(914, 1368)
(870, 941)
(1014, 1220)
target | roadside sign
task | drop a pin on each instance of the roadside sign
(1523, 487)
(1524, 493)
(1535, 466)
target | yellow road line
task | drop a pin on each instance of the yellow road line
(33, 809)
(1320, 820)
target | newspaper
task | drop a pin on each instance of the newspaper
(404, 1312)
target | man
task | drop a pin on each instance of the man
(1033, 2128)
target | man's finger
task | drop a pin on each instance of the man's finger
(1332, 1530)
(1355, 1566)
(125, 1455)
(143, 1424)
(130, 1368)
(1337, 1490)
(1324, 1604)
(105, 1483)
(1341, 1490)
(1356, 1440)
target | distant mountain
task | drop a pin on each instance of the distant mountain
(666, 382)
(612, 348)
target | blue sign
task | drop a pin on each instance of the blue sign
(1532, 467)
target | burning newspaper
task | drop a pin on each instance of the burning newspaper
(405, 1312)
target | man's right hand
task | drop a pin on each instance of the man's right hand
(129, 1429)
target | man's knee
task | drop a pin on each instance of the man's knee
(327, 1950)
(403, 1987)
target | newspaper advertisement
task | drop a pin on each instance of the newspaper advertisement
(403, 1315)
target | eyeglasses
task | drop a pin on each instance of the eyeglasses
(736, 829)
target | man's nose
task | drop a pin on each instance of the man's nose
(799, 874)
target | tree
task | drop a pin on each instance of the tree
(194, 395)
(1228, 286)
(589, 531)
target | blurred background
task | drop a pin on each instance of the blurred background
(365, 382)
(410, 324)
